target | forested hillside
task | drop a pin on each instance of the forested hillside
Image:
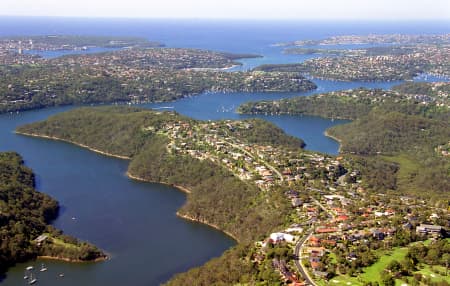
(25, 214)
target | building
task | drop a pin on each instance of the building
(430, 229)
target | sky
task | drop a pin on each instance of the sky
(234, 9)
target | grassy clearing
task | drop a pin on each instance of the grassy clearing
(435, 273)
(408, 167)
(60, 242)
(372, 273)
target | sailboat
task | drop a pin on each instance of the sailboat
(27, 271)
(32, 280)
(43, 268)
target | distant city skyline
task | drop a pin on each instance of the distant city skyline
(234, 9)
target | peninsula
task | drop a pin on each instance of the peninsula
(392, 39)
(25, 215)
(133, 75)
(280, 202)
(389, 57)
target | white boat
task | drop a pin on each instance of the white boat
(43, 268)
(29, 268)
(32, 280)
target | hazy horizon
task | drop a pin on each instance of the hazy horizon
(381, 10)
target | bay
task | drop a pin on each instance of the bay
(135, 222)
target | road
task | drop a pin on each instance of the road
(329, 213)
(298, 261)
(257, 159)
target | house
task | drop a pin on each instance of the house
(429, 229)
(379, 235)
(327, 230)
(294, 228)
(314, 241)
(279, 236)
(316, 251)
(296, 202)
(342, 218)
(41, 238)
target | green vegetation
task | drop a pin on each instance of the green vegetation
(31, 87)
(67, 248)
(25, 214)
(427, 88)
(409, 141)
(137, 74)
(326, 106)
(416, 264)
(389, 133)
(218, 197)
(217, 162)
(383, 63)
(356, 103)
(372, 273)
(312, 51)
(281, 68)
(393, 138)
(77, 41)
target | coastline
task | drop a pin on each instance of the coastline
(184, 216)
(56, 258)
(334, 138)
(134, 177)
(75, 143)
(181, 188)
(188, 217)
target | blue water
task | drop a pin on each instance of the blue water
(240, 36)
(135, 222)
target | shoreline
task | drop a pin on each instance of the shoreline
(74, 143)
(56, 258)
(334, 138)
(189, 218)
(134, 177)
(181, 188)
(184, 216)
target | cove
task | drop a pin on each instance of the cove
(134, 222)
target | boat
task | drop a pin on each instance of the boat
(32, 280)
(29, 268)
(43, 268)
(61, 275)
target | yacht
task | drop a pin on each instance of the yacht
(43, 268)
(31, 279)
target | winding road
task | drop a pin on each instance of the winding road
(298, 261)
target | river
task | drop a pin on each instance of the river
(135, 222)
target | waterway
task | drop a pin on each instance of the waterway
(135, 222)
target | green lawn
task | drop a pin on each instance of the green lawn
(433, 272)
(372, 273)
(60, 242)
